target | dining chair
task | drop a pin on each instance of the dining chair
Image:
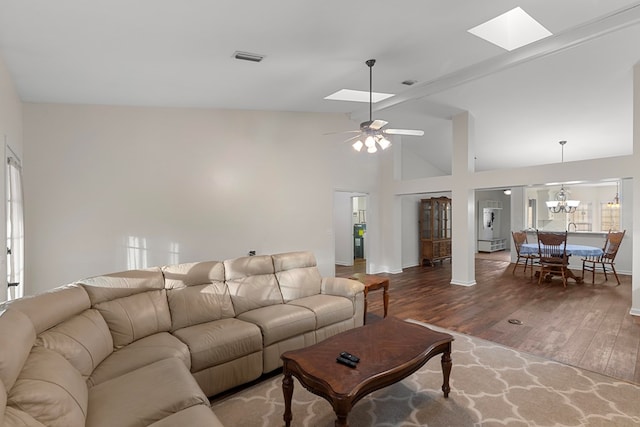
(552, 248)
(519, 239)
(607, 259)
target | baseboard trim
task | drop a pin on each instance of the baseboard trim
(635, 312)
(459, 283)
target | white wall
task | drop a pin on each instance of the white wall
(11, 135)
(411, 230)
(343, 228)
(194, 184)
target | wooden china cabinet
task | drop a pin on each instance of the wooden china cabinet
(435, 230)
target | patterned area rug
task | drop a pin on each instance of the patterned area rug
(491, 385)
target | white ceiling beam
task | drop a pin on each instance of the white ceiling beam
(568, 39)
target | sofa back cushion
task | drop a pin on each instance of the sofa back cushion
(297, 274)
(252, 283)
(52, 307)
(197, 293)
(84, 340)
(16, 339)
(122, 284)
(136, 316)
(50, 390)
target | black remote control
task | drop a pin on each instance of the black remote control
(345, 362)
(350, 356)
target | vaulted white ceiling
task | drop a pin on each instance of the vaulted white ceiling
(575, 85)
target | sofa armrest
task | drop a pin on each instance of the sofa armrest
(341, 286)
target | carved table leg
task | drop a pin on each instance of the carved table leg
(385, 296)
(446, 370)
(287, 390)
(341, 421)
(366, 292)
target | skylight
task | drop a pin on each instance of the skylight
(357, 96)
(511, 30)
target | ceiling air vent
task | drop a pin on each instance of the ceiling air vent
(246, 56)
(409, 82)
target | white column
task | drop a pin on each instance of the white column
(519, 205)
(463, 211)
(390, 208)
(635, 281)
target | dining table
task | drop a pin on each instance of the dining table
(578, 250)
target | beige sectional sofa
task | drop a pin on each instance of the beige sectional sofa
(148, 347)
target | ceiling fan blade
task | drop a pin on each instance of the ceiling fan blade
(409, 132)
(352, 138)
(341, 132)
(377, 124)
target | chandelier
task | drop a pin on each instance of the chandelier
(615, 203)
(562, 202)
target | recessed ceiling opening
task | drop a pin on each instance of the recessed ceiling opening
(511, 30)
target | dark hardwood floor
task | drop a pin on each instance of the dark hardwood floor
(587, 326)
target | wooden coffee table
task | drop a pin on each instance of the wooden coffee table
(389, 351)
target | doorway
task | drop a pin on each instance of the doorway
(350, 231)
(359, 218)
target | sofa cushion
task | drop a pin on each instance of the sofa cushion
(329, 309)
(16, 333)
(297, 274)
(192, 273)
(14, 417)
(220, 341)
(52, 307)
(195, 416)
(51, 390)
(84, 340)
(252, 283)
(279, 322)
(197, 293)
(341, 286)
(139, 353)
(122, 284)
(141, 397)
(136, 316)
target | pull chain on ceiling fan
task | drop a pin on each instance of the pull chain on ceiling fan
(371, 132)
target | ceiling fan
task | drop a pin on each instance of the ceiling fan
(372, 132)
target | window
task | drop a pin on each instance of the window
(609, 217)
(581, 219)
(15, 228)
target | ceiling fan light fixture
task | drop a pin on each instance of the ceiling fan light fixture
(370, 141)
(384, 143)
(371, 131)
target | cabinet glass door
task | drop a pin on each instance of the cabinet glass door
(426, 219)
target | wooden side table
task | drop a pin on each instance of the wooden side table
(372, 283)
